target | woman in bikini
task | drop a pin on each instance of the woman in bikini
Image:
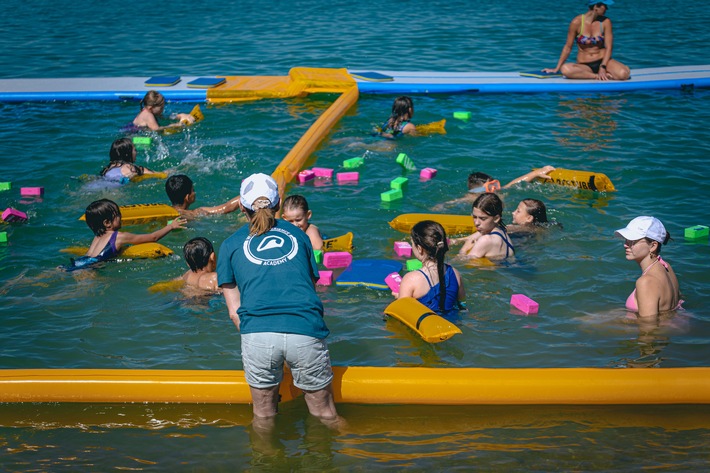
(657, 289)
(593, 34)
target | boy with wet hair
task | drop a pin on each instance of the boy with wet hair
(181, 192)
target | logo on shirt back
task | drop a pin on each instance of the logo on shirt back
(272, 249)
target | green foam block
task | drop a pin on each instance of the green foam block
(697, 232)
(141, 141)
(406, 162)
(392, 194)
(319, 256)
(413, 264)
(462, 115)
(353, 163)
(3, 237)
(5, 186)
(400, 183)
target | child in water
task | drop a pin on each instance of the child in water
(491, 239)
(200, 257)
(121, 167)
(399, 120)
(295, 210)
(152, 107)
(103, 217)
(181, 192)
(429, 246)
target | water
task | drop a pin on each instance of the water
(653, 146)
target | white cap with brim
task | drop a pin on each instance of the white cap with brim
(259, 191)
(643, 227)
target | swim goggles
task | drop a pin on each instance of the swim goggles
(490, 186)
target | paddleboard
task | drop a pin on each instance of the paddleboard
(427, 324)
(453, 224)
(369, 272)
(144, 213)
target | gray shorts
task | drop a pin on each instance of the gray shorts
(264, 354)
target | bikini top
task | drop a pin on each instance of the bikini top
(508, 245)
(631, 303)
(592, 40)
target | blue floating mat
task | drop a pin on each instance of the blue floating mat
(372, 76)
(162, 81)
(369, 273)
(206, 82)
(540, 74)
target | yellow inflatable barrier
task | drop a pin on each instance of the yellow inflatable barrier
(593, 181)
(372, 385)
(341, 243)
(432, 128)
(155, 175)
(431, 327)
(140, 251)
(196, 113)
(453, 224)
(144, 213)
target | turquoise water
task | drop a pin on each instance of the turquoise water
(653, 146)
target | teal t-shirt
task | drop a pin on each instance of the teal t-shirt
(274, 273)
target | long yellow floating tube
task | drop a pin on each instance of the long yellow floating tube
(372, 385)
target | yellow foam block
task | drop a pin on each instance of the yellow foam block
(431, 327)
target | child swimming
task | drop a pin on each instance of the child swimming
(181, 192)
(152, 107)
(200, 257)
(121, 167)
(491, 239)
(399, 121)
(295, 210)
(429, 246)
(103, 217)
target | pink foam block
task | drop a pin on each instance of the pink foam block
(393, 280)
(12, 215)
(305, 176)
(524, 304)
(326, 278)
(427, 173)
(31, 190)
(348, 176)
(402, 248)
(337, 259)
(323, 172)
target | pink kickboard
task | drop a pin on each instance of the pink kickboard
(337, 259)
(12, 215)
(524, 304)
(348, 176)
(427, 173)
(31, 190)
(305, 176)
(323, 172)
(402, 248)
(326, 278)
(393, 281)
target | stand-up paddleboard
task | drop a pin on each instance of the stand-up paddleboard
(430, 326)
(197, 114)
(139, 251)
(587, 180)
(369, 272)
(432, 128)
(144, 213)
(453, 224)
(341, 243)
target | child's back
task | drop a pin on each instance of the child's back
(200, 257)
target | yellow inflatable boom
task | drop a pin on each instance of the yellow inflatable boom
(371, 385)
(453, 224)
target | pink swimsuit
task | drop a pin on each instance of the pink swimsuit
(631, 300)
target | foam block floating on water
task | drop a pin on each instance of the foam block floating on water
(326, 278)
(306, 175)
(5, 186)
(524, 303)
(413, 264)
(337, 259)
(353, 163)
(406, 162)
(697, 232)
(402, 248)
(3, 237)
(391, 195)
(427, 173)
(323, 172)
(13, 215)
(462, 115)
(31, 190)
(348, 176)
(399, 183)
(393, 281)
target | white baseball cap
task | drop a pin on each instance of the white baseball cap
(259, 191)
(643, 227)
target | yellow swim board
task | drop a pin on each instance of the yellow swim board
(140, 251)
(453, 224)
(431, 327)
(432, 128)
(144, 213)
(593, 181)
(154, 175)
(341, 243)
(197, 114)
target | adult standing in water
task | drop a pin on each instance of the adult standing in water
(268, 270)
(592, 31)
(657, 289)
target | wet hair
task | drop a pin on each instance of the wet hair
(296, 201)
(98, 212)
(121, 153)
(402, 108)
(536, 209)
(197, 253)
(178, 187)
(261, 220)
(477, 179)
(491, 204)
(598, 4)
(431, 237)
(152, 99)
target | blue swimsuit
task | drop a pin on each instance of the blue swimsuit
(107, 253)
(508, 244)
(431, 298)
